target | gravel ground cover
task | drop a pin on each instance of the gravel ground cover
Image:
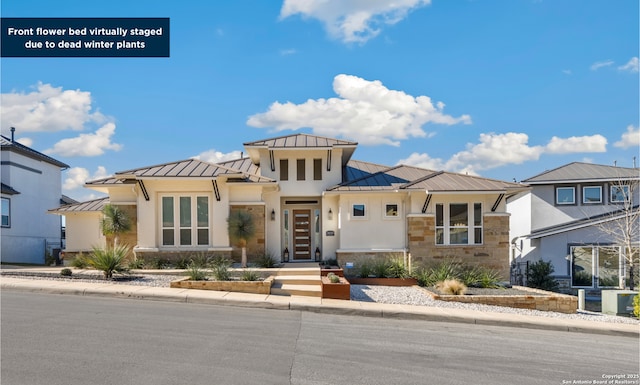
(365, 293)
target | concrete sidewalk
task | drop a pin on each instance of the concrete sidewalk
(406, 312)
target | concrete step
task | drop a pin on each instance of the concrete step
(299, 271)
(288, 289)
(298, 279)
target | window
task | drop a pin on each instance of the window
(619, 194)
(595, 266)
(284, 169)
(456, 224)
(565, 195)
(359, 210)
(301, 169)
(317, 169)
(178, 224)
(592, 194)
(391, 210)
(6, 212)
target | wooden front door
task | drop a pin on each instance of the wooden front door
(302, 235)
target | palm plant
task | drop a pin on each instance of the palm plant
(114, 222)
(241, 229)
(109, 260)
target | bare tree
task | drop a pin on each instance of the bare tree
(623, 226)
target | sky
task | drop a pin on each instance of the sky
(504, 89)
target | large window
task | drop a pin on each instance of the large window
(595, 266)
(6, 212)
(185, 220)
(458, 224)
(565, 195)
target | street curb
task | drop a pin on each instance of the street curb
(338, 307)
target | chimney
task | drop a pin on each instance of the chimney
(13, 131)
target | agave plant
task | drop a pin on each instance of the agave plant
(241, 229)
(109, 260)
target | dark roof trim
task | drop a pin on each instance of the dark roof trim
(8, 144)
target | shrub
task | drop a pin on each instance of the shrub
(80, 261)
(440, 272)
(195, 272)
(479, 277)
(330, 262)
(109, 260)
(452, 287)
(396, 268)
(136, 263)
(66, 272)
(201, 259)
(380, 268)
(365, 270)
(539, 276)
(266, 261)
(160, 263)
(183, 263)
(333, 278)
(636, 306)
(220, 269)
(49, 259)
(249, 275)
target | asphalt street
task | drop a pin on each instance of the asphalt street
(52, 339)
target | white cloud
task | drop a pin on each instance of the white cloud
(213, 156)
(597, 65)
(47, 108)
(364, 110)
(631, 138)
(287, 52)
(575, 144)
(631, 66)
(25, 141)
(87, 144)
(567, 72)
(77, 176)
(496, 150)
(352, 21)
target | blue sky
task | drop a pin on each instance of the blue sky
(499, 88)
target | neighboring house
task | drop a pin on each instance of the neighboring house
(567, 219)
(31, 184)
(310, 201)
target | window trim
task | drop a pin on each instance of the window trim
(445, 227)
(364, 211)
(177, 226)
(8, 215)
(584, 202)
(397, 212)
(284, 169)
(317, 169)
(301, 172)
(573, 188)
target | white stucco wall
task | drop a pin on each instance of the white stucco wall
(83, 231)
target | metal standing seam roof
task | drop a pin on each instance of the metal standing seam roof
(300, 141)
(357, 169)
(95, 205)
(6, 143)
(578, 171)
(415, 178)
(189, 168)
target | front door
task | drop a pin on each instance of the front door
(302, 235)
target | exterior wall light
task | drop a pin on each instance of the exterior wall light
(330, 215)
(273, 214)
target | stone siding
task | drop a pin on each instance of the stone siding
(493, 253)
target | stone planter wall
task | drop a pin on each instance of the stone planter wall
(255, 287)
(544, 300)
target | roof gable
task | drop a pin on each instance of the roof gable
(578, 171)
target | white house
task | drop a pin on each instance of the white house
(31, 184)
(311, 201)
(567, 218)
